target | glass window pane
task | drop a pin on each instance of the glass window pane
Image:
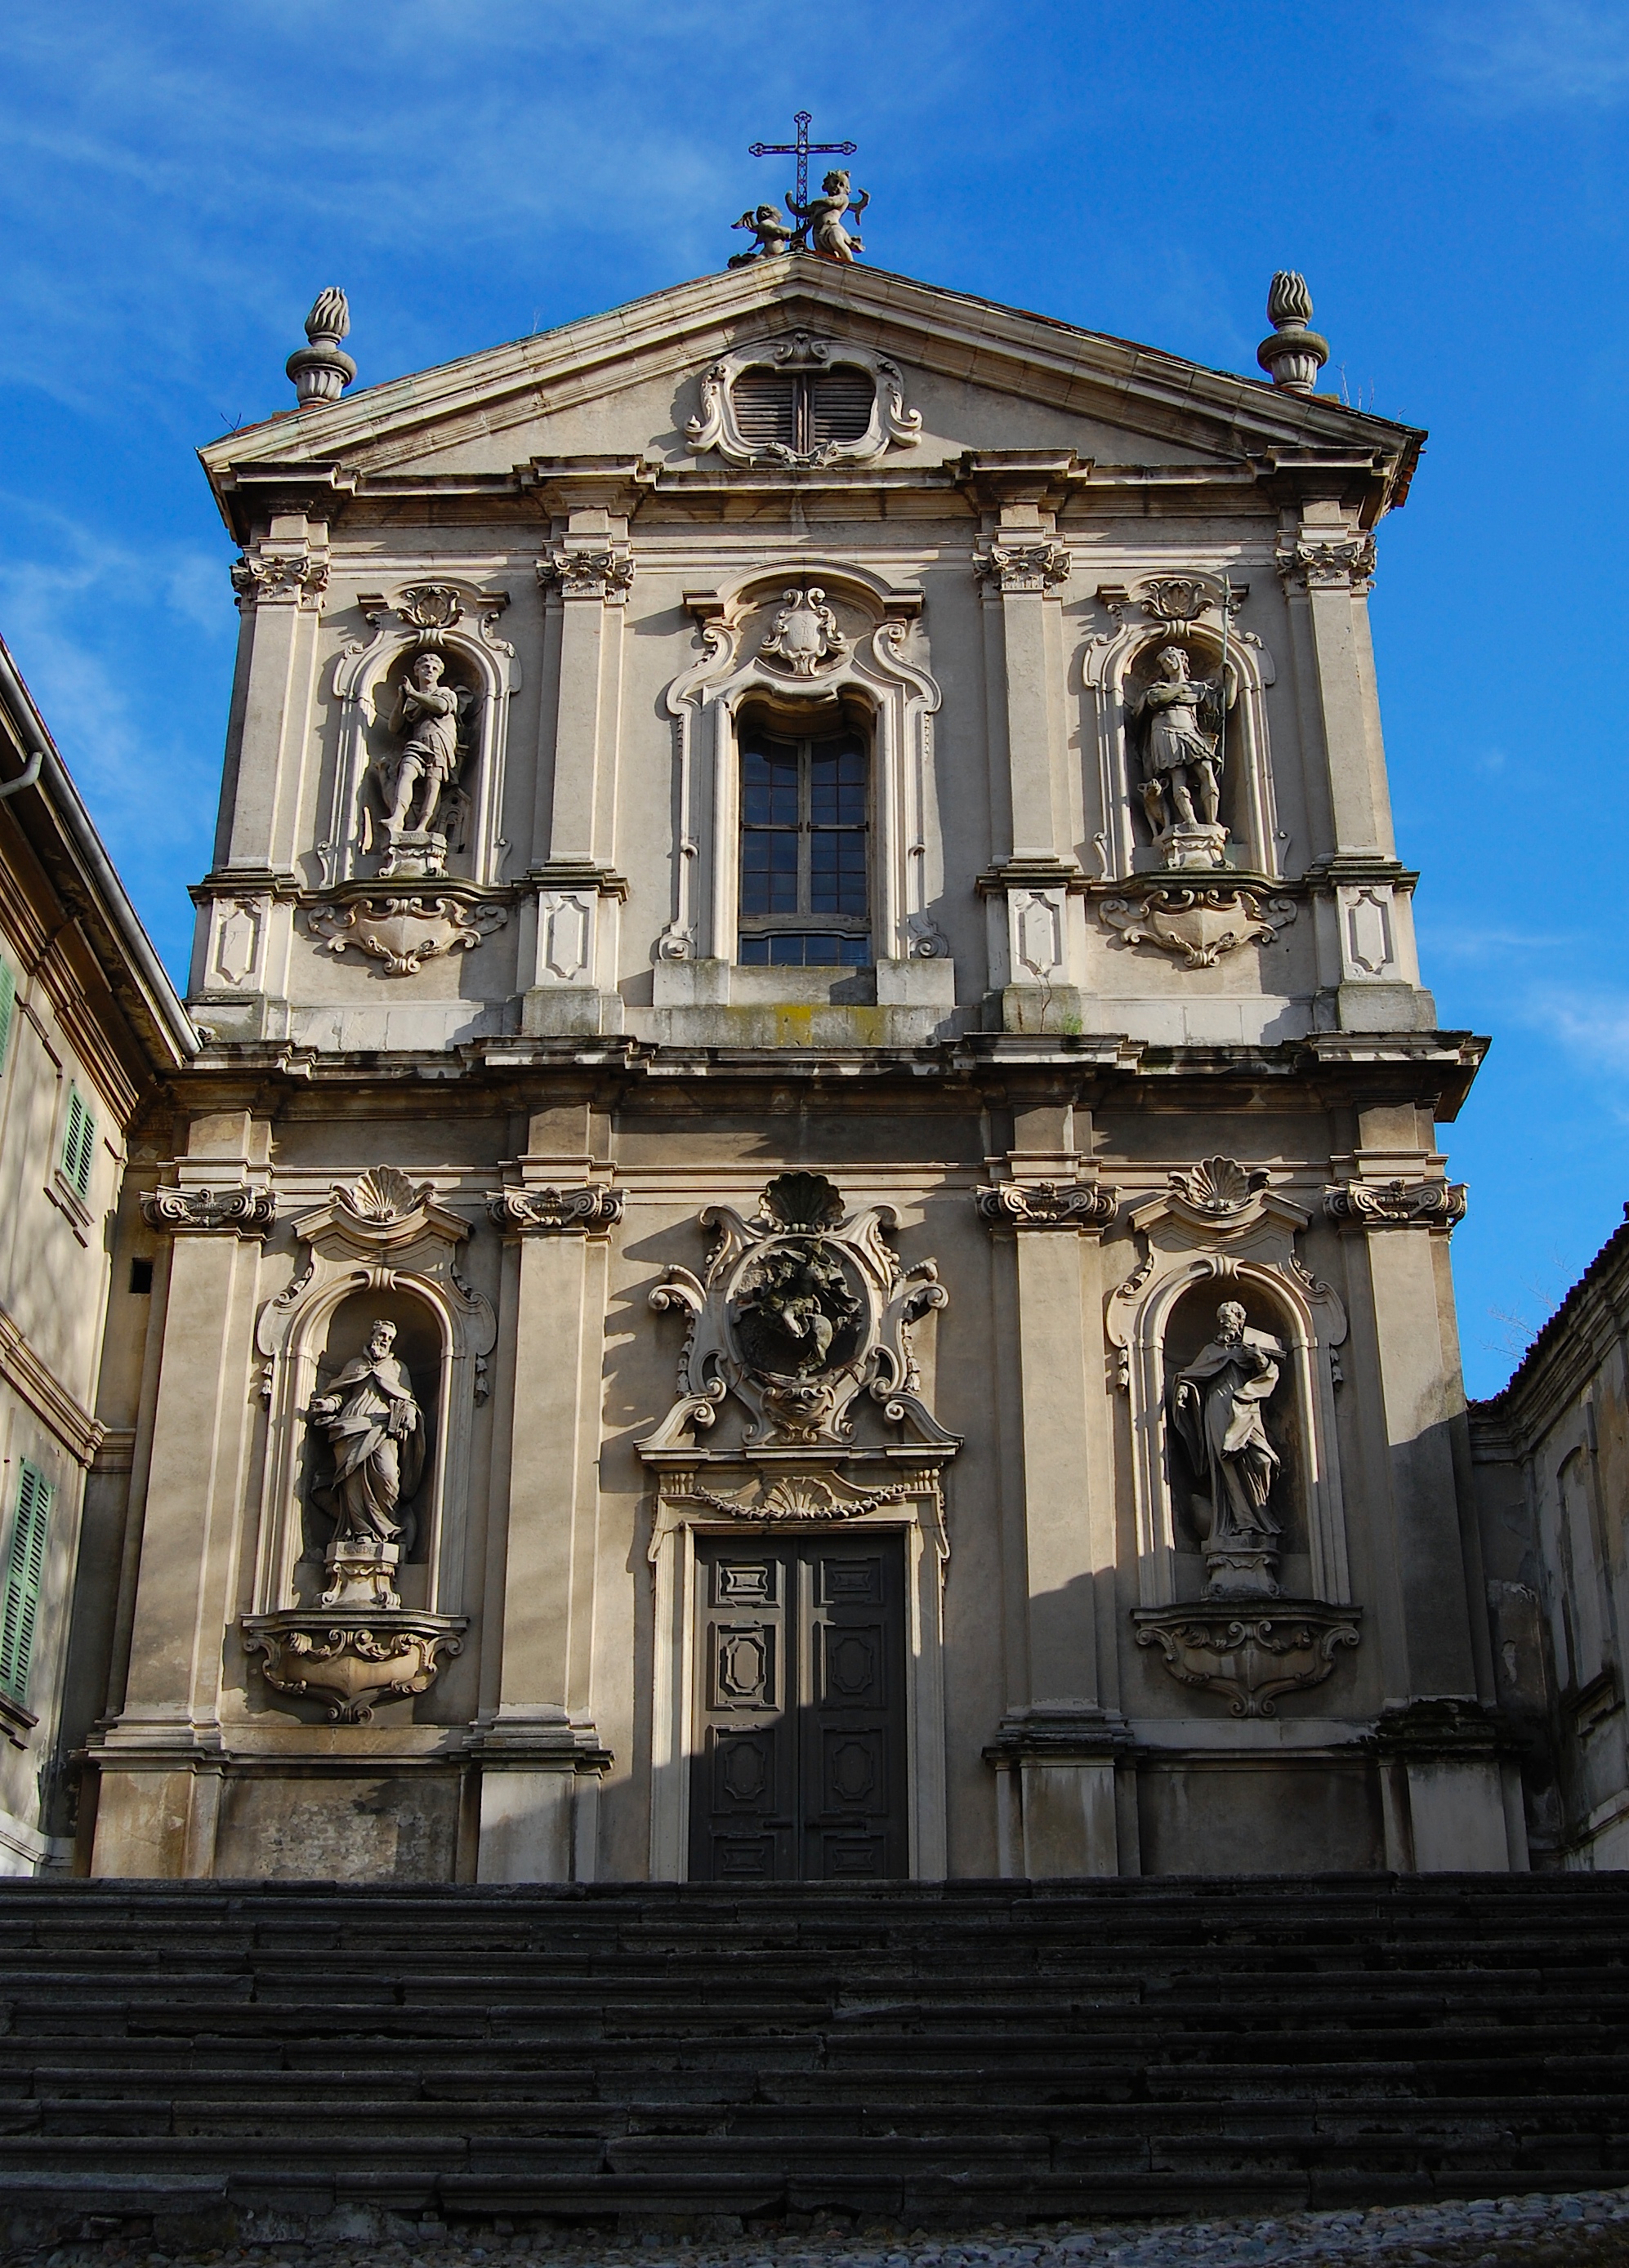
(752, 952)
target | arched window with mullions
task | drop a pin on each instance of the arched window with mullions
(805, 851)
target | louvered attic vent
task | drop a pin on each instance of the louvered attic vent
(801, 411)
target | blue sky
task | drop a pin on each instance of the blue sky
(178, 179)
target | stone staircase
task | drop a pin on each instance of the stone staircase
(207, 2057)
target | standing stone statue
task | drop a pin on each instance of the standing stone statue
(822, 216)
(1216, 1410)
(377, 1431)
(426, 722)
(1177, 719)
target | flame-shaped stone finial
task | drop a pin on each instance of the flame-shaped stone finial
(1294, 354)
(321, 370)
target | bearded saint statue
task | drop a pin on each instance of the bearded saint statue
(1216, 1410)
(377, 1431)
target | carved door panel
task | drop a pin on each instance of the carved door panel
(799, 1753)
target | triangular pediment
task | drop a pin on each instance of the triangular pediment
(623, 385)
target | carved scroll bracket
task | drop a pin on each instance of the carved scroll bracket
(352, 1663)
(1198, 925)
(534, 1211)
(404, 932)
(1249, 1658)
(1395, 1205)
(1047, 1204)
(244, 1211)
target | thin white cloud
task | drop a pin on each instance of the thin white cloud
(1537, 54)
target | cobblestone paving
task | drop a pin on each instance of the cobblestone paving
(1587, 2226)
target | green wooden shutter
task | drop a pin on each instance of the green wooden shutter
(80, 1147)
(8, 1003)
(20, 1605)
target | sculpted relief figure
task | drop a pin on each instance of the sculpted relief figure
(1217, 1406)
(377, 1430)
(822, 216)
(1176, 721)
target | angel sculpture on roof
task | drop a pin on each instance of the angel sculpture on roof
(822, 217)
(772, 230)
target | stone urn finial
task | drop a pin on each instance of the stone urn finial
(321, 370)
(1294, 354)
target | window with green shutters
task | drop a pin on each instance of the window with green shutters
(20, 1607)
(8, 1003)
(79, 1147)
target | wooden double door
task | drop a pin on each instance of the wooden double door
(798, 1749)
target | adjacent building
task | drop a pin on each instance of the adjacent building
(91, 1031)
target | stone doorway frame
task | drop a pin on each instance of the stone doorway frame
(918, 1514)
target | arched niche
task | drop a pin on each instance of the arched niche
(865, 671)
(457, 622)
(380, 1247)
(1220, 1233)
(1112, 668)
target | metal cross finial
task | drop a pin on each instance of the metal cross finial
(800, 150)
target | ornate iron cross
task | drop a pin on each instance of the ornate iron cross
(800, 149)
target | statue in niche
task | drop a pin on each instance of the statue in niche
(377, 1430)
(822, 216)
(772, 230)
(806, 634)
(415, 783)
(1176, 724)
(1217, 1405)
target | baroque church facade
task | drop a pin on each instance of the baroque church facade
(807, 1241)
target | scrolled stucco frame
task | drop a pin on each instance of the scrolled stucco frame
(716, 426)
(1106, 664)
(1252, 1245)
(414, 1255)
(902, 697)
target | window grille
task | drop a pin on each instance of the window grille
(8, 1007)
(802, 410)
(79, 1147)
(804, 853)
(19, 1603)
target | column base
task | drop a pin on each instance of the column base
(1056, 1766)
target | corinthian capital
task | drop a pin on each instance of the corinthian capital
(527, 1212)
(1046, 1204)
(241, 1211)
(1395, 1205)
(293, 578)
(606, 574)
(1327, 562)
(1023, 566)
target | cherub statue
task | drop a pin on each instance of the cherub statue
(1180, 757)
(772, 229)
(822, 216)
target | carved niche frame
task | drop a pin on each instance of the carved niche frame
(458, 620)
(871, 668)
(382, 1233)
(1219, 1224)
(1163, 609)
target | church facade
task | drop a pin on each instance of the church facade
(808, 1242)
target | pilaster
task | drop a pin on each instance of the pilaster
(160, 1758)
(1056, 1750)
(540, 1757)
